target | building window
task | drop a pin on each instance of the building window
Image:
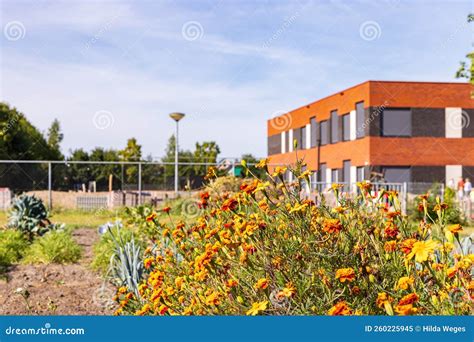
(303, 138)
(360, 120)
(346, 171)
(287, 141)
(274, 144)
(324, 134)
(297, 138)
(322, 173)
(396, 174)
(314, 132)
(346, 127)
(360, 174)
(396, 122)
(335, 175)
(334, 127)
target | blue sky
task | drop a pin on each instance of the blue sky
(110, 70)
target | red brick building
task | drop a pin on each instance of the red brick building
(405, 131)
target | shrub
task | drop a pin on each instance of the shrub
(12, 246)
(452, 212)
(266, 250)
(29, 215)
(53, 247)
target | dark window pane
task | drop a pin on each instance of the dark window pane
(303, 137)
(334, 127)
(322, 173)
(334, 175)
(314, 132)
(346, 127)
(346, 171)
(397, 174)
(297, 138)
(287, 141)
(274, 144)
(360, 174)
(360, 120)
(396, 122)
(324, 132)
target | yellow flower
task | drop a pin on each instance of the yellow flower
(298, 207)
(257, 308)
(213, 299)
(404, 283)
(422, 250)
(390, 246)
(384, 300)
(279, 171)
(262, 163)
(288, 291)
(345, 274)
(262, 284)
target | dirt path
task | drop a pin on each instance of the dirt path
(58, 289)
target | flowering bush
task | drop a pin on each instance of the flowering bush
(267, 250)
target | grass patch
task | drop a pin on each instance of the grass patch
(12, 246)
(54, 247)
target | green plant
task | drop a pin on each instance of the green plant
(126, 264)
(453, 212)
(12, 246)
(56, 246)
(105, 247)
(30, 216)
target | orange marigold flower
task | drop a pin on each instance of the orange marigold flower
(288, 291)
(407, 245)
(391, 230)
(332, 226)
(231, 283)
(404, 282)
(345, 274)
(162, 309)
(451, 272)
(166, 209)
(455, 228)
(151, 217)
(148, 262)
(383, 299)
(229, 204)
(340, 309)
(261, 284)
(213, 299)
(390, 246)
(409, 299)
(406, 309)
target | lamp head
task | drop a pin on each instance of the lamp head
(177, 116)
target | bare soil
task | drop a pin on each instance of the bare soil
(58, 289)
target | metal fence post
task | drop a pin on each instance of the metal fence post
(405, 198)
(50, 195)
(139, 183)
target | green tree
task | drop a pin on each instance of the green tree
(55, 137)
(251, 161)
(20, 140)
(131, 153)
(466, 68)
(206, 153)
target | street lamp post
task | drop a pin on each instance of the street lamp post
(176, 117)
